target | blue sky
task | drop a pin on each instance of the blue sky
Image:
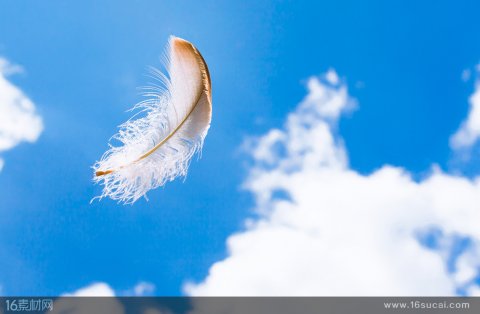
(83, 61)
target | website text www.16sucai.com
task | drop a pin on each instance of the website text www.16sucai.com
(427, 305)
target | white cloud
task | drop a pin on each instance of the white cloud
(143, 288)
(102, 289)
(97, 289)
(335, 98)
(469, 131)
(19, 121)
(94, 305)
(332, 77)
(101, 305)
(325, 229)
(474, 291)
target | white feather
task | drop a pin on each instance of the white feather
(158, 147)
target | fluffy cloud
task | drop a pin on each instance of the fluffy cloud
(102, 289)
(469, 131)
(97, 289)
(102, 305)
(143, 288)
(325, 229)
(19, 121)
(93, 305)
